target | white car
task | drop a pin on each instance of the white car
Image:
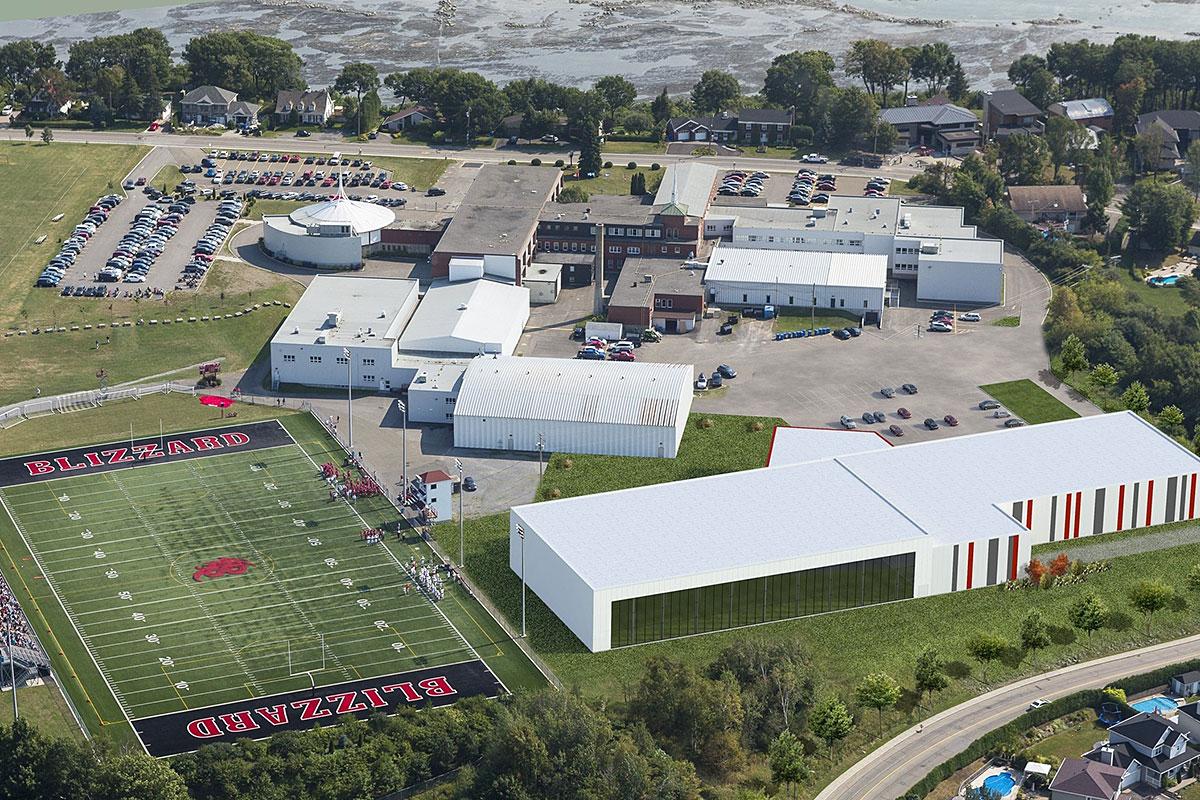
(940, 327)
(815, 158)
(970, 316)
(702, 382)
(6, 111)
(1036, 704)
(133, 277)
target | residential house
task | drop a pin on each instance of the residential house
(1186, 684)
(212, 105)
(1081, 779)
(1006, 112)
(721, 128)
(1062, 207)
(1178, 129)
(764, 126)
(406, 118)
(43, 106)
(312, 107)
(1149, 748)
(1092, 112)
(661, 293)
(945, 127)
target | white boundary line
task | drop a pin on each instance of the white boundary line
(74, 627)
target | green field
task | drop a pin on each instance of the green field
(647, 148)
(45, 708)
(1030, 402)
(797, 320)
(113, 556)
(615, 180)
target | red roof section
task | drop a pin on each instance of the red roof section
(434, 476)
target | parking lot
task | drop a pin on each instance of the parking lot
(815, 381)
(775, 189)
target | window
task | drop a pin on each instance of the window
(843, 302)
(617, 231)
(864, 303)
(343, 360)
(633, 250)
(368, 378)
(768, 299)
(791, 300)
(556, 247)
(752, 238)
(289, 359)
(593, 247)
(368, 362)
(841, 242)
(614, 248)
(574, 246)
(744, 299)
(314, 359)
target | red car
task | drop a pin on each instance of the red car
(623, 355)
(141, 181)
(903, 413)
(950, 420)
(895, 430)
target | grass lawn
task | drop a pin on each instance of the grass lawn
(1029, 401)
(45, 707)
(169, 177)
(1072, 736)
(62, 362)
(902, 189)
(795, 320)
(616, 180)
(1007, 322)
(1166, 299)
(649, 148)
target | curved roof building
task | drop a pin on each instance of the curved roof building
(333, 233)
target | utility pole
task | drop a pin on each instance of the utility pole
(403, 453)
(521, 533)
(349, 398)
(12, 664)
(461, 555)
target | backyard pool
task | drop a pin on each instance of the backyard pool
(1162, 705)
(1000, 784)
(1169, 280)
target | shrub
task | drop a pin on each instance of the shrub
(559, 163)
(655, 166)
(631, 165)
(608, 165)
(512, 162)
(536, 162)
(567, 463)
(1116, 693)
(1047, 581)
(555, 493)
(706, 423)
(1060, 565)
(1035, 569)
(756, 426)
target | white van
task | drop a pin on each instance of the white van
(970, 316)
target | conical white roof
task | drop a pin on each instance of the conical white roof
(361, 217)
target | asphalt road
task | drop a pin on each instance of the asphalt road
(908, 168)
(890, 770)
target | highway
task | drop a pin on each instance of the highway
(895, 766)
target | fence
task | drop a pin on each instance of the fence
(467, 584)
(78, 401)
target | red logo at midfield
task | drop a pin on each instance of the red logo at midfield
(221, 567)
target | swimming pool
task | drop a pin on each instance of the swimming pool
(1169, 280)
(1158, 703)
(1000, 784)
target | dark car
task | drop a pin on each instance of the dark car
(879, 416)
(303, 134)
(577, 334)
(733, 319)
(725, 330)
(903, 413)
(855, 332)
(950, 420)
(988, 405)
(888, 392)
(727, 371)
(469, 484)
(931, 423)
(591, 355)
(909, 388)
(435, 191)
(1014, 423)
(868, 417)
(714, 380)
(895, 430)
(842, 333)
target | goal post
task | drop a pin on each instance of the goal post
(306, 656)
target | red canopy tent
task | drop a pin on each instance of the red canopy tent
(217, 401)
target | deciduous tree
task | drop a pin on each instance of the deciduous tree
(879, 691)
(930, 672)
(1035, 633)
(830, 721)
(986, 648)
(1150, 596)
(1089, 614)
(715, 91)
(1135, 397)
(788, 764)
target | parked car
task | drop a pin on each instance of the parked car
(879, 416)
(577, 334)
(888, 392)
(970, 316)
(1001, 413)
(727, 371)
(950, 420)
(469, 484)
(435, 191)
(815, 158)
(937, 326)
(848, 423)
(909, 388)
(715, 380)
(1036, 704)
(988, 405)
(868, 417)
(701, 382)
(931, 423)
(854, 331)
(1013, 423)
(895, 430)
(842, 333)
(903, 413)
(622, 355)
(725, 329)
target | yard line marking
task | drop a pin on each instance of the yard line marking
(221, 632)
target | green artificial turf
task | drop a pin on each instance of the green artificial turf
(1030, 402)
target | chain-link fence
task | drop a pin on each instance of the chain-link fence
(78, 401)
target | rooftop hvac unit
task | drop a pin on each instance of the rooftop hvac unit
(931, 248)
(818, 213)
(647, 279)
(906, 221)
(321, 339)
(333, 319)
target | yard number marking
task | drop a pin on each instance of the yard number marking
(397, 646)
(166, 661)
(270, 487)
(314, 541)
(112, 573)
(125, 595)
(139, 616)
(182, 685)
(381, 624)
(347, 582)
(299, 523)
(64, 498)
(99, 554)
(364, 603)
(255, 468)
(331, 562)
(87, 534)
(152, 638)
(74, 515)
(285, 504)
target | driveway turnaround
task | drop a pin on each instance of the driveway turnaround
(892, 769)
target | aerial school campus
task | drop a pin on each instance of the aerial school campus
(741, 442)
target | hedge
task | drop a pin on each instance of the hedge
(1088, 698)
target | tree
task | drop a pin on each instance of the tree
(883, 137)
(28, 131)
(1193, 579)
(1098, 188)
(878, 691)
(788, 764)
(253, 65)
(1025, 158)
(359, 78)
(793, 79)
(1160, 215)
(1034, 570)
(1170, 419)
(1065, 139)
(1191, 168)
(1105, 375)
(590, 160)
(637, 183)
(573, 193)
(1089, 614)
(1127, 104)
(618, 93)
(22, 59)
(100, 115)
(986, 648)
(1035, 633)
(958, 86)
(1073, 355)
(1135, 397)
(636, 121)
(930, 673)
(135, 776)
(47, 135)
(830, 721)
(715, 91)
(1061, 565)
(660, 107)
(1150, 596)
(1041, 90)
(879, 65)
(369, 111)
(933, 63)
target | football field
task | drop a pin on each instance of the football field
(213, 580)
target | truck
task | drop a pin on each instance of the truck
(609, 331)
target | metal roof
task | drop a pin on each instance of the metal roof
(1011, 102)
(798, 445)
(468, 317)
(1084, 109)
(379, 305)
(575, 390)
(946, 114)
(795, 267)
(359, 217)
(689, 186)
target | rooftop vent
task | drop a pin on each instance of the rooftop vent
(333, 319)
(462, 306)
(647, 279)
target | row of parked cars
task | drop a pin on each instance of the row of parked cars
(144, 242)
(228, 212)
(597, 349)
(304, 197)
(740, 182)
(64, 259)
(807, 182)
(942, 321)
(722, 373)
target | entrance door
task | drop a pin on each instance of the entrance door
(672, 326)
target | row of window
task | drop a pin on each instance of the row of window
(614, 249)
(907, 251)
(834, 302)
(905, 267)
(801, 240)
(767, 599)
(291, 359)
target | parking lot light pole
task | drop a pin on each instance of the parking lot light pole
(461, 557)
(521, 533)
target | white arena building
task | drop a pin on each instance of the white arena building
(334, 233)
(838, 523)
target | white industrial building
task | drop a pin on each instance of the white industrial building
(576, 406)
(334, 233)
(851, 282)
(433, 391)
(468, 319)
(928, 244)
(835, 525)
(362, 315)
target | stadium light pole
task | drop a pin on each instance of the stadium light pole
(12, 666)
(349, 399)
(461, 557)
(403, 453)
(521, 533)
(541, 445)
